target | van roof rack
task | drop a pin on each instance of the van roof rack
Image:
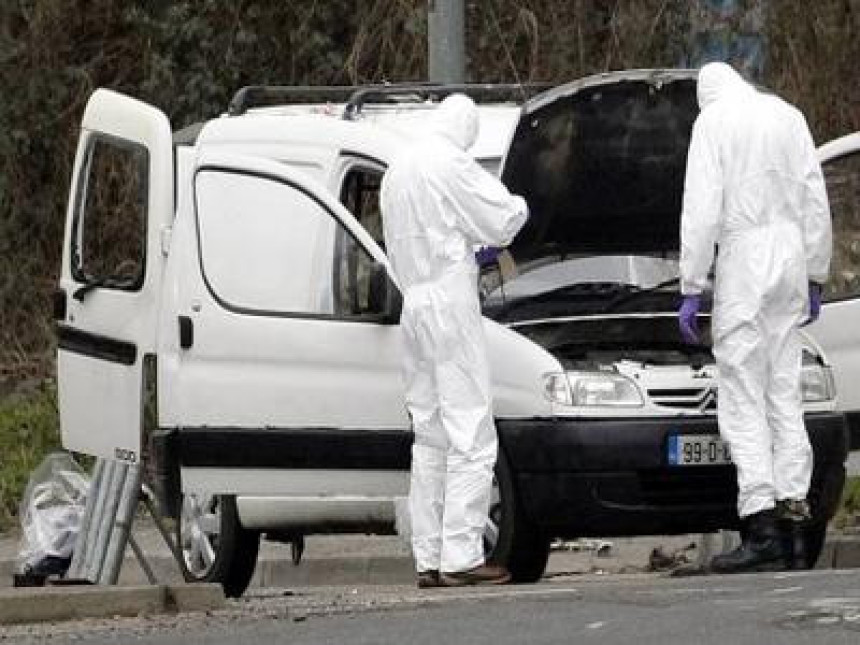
(356, 96)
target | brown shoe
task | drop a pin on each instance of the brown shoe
(485, 574)
(428, 579)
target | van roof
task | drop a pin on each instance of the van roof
(399, 119)
(356, 97)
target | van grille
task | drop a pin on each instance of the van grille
(703, 399)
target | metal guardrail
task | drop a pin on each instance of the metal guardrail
(356, 96)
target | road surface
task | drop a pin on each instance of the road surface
(816, 607)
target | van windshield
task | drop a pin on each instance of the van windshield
(565, 286)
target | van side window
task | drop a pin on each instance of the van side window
(265, 245)
(268, 247)
(109, 240)
(843, 190)
(360, 195)
(359, 277)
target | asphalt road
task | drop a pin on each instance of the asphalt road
(819, 607)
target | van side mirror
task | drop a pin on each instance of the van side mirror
(384, 297)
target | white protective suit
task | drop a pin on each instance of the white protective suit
(754, 188)
(437, 204)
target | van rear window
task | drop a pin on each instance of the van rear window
(109, 241)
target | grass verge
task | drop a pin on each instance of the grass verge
(848, 515)
(29, 429)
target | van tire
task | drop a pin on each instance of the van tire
(813, 540)
(521, 546)
(235, 549)
(825, 494)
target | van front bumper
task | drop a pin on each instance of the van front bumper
(611, 477)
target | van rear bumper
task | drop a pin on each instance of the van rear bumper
(599, 477)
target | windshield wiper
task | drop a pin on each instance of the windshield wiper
(627, 297)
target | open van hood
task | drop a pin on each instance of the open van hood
(601, 163)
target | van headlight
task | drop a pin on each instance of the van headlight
(816, 381)
(592, 389)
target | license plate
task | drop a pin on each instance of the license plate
(697, 450)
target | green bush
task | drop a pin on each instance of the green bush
(848, 515)
(29, 430)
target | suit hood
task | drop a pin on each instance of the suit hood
(716, 81)
(456, 119)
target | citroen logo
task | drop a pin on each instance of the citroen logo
(709, 398)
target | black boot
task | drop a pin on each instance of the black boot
(762, 548)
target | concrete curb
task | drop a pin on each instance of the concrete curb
(41, 604)
(842, 552)
(374, 570)
(273, 572)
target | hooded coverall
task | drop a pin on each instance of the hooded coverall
(437, 205)
(754, 188)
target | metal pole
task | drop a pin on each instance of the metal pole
(128, 494)
(116, 484)
(89, 566)
(159, 524)
(731, 32)
(78, 564)
(446, 50)
(100, 492)
(141, 560)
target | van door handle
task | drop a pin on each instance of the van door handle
(186, 332)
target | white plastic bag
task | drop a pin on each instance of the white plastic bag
(51, 512)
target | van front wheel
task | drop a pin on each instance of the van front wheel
(511, 539)
(213, 545)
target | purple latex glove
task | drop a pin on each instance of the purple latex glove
(814, 302)
(687, 319)
(487, 255)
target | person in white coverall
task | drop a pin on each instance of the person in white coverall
(755, 191)
(437, 205)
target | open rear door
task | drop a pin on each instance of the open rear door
(120, 206)
(837, 328)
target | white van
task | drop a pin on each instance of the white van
(233, 274)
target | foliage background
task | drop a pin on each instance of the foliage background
(189, 56)
(28, 431)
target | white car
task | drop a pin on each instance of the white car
(228, 282)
